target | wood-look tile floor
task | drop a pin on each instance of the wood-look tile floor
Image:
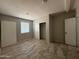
(39, 49)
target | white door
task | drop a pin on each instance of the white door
(70, 31)
(8, 33)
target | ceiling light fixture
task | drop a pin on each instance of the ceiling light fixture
(27, 13)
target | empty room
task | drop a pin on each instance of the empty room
(39, 29)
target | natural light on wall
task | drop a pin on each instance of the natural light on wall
(24, 27)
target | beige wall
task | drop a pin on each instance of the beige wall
(36, 27)
(8, 33)
(0, 50)
(57, 25)
(77, 8)
(0, 31)
(77, 17)
(18, 20)
(18, 29)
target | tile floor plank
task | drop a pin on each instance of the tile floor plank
(39, 49)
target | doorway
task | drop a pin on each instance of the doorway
(42, 31)
(70, 31)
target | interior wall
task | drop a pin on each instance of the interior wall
(78, 31)
(77, 7)
(77, 17)
(57, 25)
(37, 28)
(0, 31)
(25, 35)
(8, 33)
(18, 20)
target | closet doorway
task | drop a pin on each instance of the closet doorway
(42, 31)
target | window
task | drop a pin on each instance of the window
(24, 27)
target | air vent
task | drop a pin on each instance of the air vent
(44, 1)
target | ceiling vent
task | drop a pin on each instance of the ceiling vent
(44, 1)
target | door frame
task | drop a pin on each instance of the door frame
(40, 28)
(76, 31)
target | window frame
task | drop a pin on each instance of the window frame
(23, 29)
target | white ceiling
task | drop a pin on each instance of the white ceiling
(30, 9)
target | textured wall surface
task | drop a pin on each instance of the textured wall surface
(36, 27)
(8, 33)
(0, 31)
(18, 20)
(57, 25)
